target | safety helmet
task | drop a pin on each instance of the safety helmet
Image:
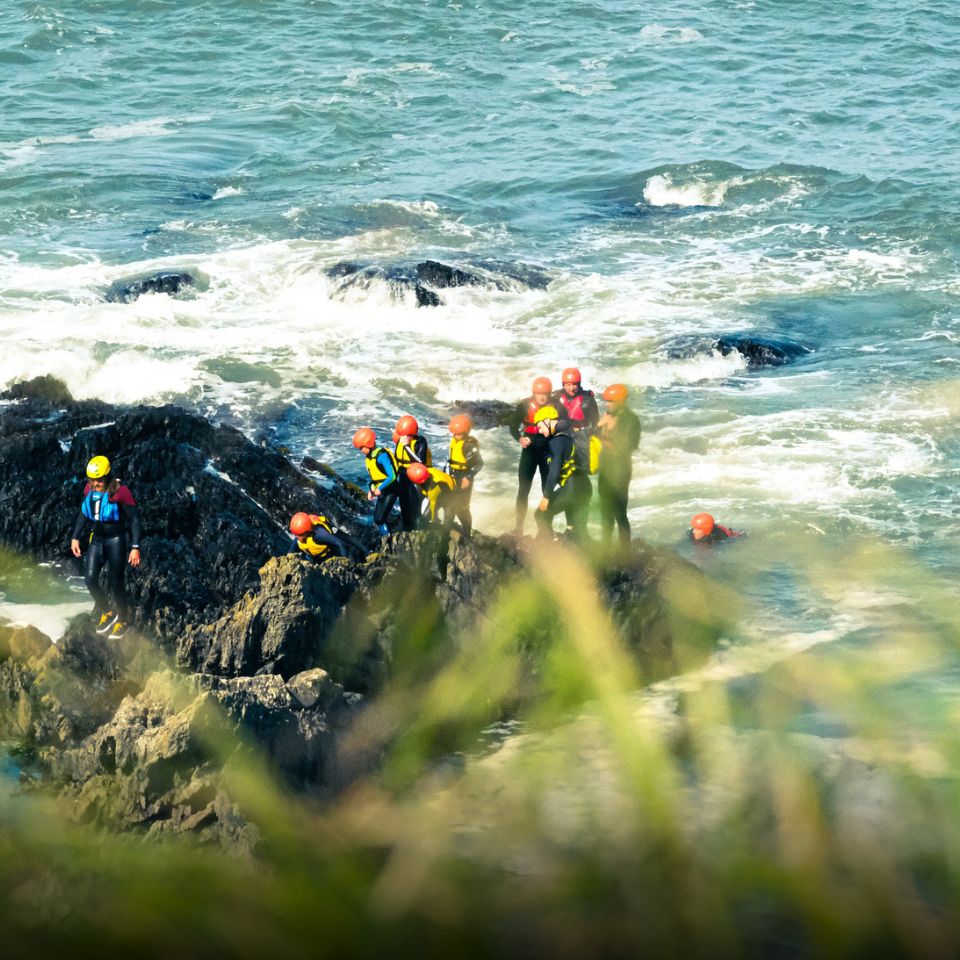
(417, 472)
(301, 524)
(407, 426)
(364, 437)
(98, 468)
(542, 385)
(546, 413)
(461, 423)
(571, 375)
(616, 393)
(702, 524)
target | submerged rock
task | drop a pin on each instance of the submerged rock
(761, 351)
(171, 282)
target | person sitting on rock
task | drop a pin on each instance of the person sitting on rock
(315, 537)
(108, 521)
(384, 480)
(567, 488)
(437, 488)
(463, 464)
(411, 448)
(704, 529)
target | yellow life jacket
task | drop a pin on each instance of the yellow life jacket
(406, 456)
(373, 468)
(596, 446)
(458, 453)
(309, 545)
(433, 489)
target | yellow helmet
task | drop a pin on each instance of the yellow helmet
(98, 468)
(546, 413)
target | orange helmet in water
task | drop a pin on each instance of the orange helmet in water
(702, 525)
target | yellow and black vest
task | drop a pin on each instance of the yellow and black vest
(462, 452)
(440, 483)
(373, 468)
(319, 550)
(406, 454)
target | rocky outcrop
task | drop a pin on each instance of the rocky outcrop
(214, 506)
(157, 765)
(758, 350)
(425, 278)
(171, 282)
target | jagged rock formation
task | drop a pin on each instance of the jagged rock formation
(171, 282)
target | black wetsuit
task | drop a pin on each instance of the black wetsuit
(616, 469)
(567, 487)
(464, 464)
(415, 450)
(106, 525)
(533, 458)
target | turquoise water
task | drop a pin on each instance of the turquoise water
(783, 168)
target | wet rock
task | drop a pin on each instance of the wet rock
(487, 414)
(157, 765)
(171, 282)
(761, 351)
(214, 506)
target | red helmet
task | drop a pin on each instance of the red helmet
(461, 423)
(364, 437)
(703, 524)
(616, 393)
(417, 472)
(301, 524)
(571, 375)
(407, 426)
(542, 385)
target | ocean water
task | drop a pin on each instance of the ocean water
(678, 171)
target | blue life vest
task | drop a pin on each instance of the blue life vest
(98, 507)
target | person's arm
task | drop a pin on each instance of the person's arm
(557, 451)
(385, 462)
(633, 432)
(473, 457)
(328, 539)
(81, 529)
(515, 424)
(591, 414)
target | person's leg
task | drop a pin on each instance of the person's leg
(605, 494)
(577, 506)
(525, 471)
(460, 507)
(93, 564)
(620, 512)
(115, 550)
(384, 504)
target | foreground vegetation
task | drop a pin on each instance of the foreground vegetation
(605, 825)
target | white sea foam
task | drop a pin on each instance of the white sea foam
(49, 618)
(659, 33)
(661, 191)
(223, 192)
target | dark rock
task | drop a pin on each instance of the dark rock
(214, 506)
(487, 414)
(441, 275)
(47, 388)
(170, 282)
(761, 351)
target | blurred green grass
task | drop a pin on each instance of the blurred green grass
(602, 829)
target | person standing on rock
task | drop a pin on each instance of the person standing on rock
(533, 447)
(567, 489)
(411, 448)
(315, 537)
(108, 521)
(381, 465)
(580, 405)
(463, 464)
(619, 436)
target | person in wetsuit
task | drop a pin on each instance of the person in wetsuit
(411, 448)
(463, 464)
(437, 488)
(576, 405)
(567, 488)
(619, 436)
(384, 481)
(704, 529)
(108, 521)
(315, 537)
(533, 446)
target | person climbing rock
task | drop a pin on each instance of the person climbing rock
(567, 488)
(533, 446)
(704, 529)
(384, 480)
(578, 406)
(463, 464)
(108, 521)
(619, 436)
(437, 488)
(411, 448)
(315, 537)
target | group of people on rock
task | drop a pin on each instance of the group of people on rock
(562, 436)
